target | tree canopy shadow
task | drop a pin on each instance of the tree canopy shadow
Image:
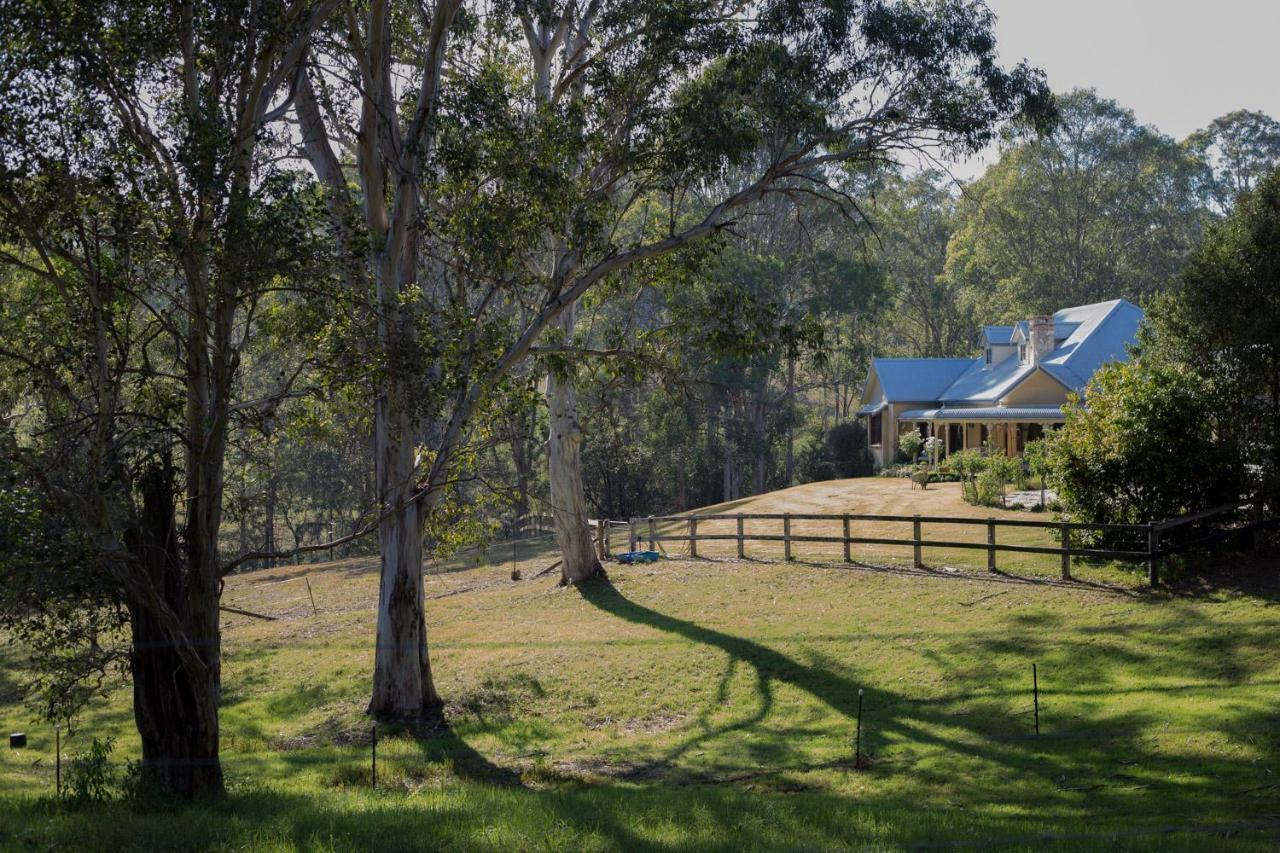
(1079, 757)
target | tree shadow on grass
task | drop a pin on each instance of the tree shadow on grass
(936, 736)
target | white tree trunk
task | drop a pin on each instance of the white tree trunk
(564, 460)
(402, 684)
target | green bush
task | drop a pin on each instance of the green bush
(1036, 455)
(840, 453)
(90, 777)
(909, 445)
(967, 465)
(988, 487)
(1146, 448)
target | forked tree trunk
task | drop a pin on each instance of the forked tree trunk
(402, 685)
(175, 703)
(564, 460)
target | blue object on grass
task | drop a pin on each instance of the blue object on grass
(639, 557)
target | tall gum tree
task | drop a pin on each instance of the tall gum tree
(470, 180)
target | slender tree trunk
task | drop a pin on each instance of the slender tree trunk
(270, 532)
(791, 430)
(521, 457)
(564, 461)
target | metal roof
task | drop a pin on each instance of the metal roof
(985, 413)
(1085, 338)
(871, 408)
(917, 379)
(997, 334)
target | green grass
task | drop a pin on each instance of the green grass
(711, 705)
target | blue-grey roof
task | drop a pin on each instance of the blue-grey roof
(997, 334)
(1103, 332)
(871, 408)
(985, 413)
(1085, 338)
(982, 382)
(917, 379)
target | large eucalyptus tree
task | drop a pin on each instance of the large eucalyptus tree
(509, 158)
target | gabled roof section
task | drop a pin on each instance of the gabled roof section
(1102, 333)
(997, 335)
(917, 379)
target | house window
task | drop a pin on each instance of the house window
(988, 355)
(875, 428)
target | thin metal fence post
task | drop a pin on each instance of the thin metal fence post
(1035, 692)
(693, 536)
(741, 550)
(1066, 551)
(786, 535)
(375, 755)
(917, 543)
(848, 558)
(57, 733)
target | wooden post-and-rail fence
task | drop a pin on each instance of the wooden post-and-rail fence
(1153, 538)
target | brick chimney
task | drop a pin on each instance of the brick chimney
(1041, 337)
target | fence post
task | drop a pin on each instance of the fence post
(991, 544)
(651, 534)
(741, 553)
(786, 535)
(848, 558)
(633, 535)
(693, 536)
(1066, 551)
(1153, 549)
(915, 534)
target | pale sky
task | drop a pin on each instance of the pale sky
(1178, 64)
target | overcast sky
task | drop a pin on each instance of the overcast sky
(1178, 64)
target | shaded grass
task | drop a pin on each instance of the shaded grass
(710, 705)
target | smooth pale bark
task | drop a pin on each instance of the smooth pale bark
(402, 685)
(564, 461)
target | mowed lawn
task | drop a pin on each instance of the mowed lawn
(711, 704)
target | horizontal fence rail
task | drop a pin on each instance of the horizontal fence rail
(1155, 539)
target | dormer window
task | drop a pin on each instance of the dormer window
(1022, 353)
(988, 356)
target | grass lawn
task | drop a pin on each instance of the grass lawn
(710, 704)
